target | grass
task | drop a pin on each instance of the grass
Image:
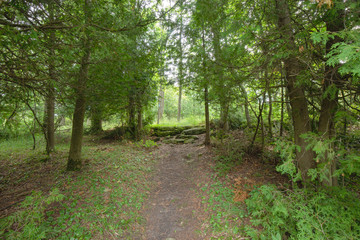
(225, 220)
(103, 201)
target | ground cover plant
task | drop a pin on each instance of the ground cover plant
(103, 201)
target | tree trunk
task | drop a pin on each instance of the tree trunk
(96, 119)
(222, 93)
(179, 102)
(49, 116)
(331, 84)
(207, 117)
(270, 113)
(139, 122)
(246, 105)
(131, 115)
(161, 102)
(206, 96)
(298, 102)
(282, 107)
(74, 161)
(181, 66)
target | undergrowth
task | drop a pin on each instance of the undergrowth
(225, 215)
(304, 214)
(103, 201)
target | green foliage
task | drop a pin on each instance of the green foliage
(28, 222)
(146, 144)
(229, 153)
(287, 151)
(304, 214)
(225, 214)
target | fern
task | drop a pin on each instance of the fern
(27, 223)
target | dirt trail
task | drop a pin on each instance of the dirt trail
(173, 210)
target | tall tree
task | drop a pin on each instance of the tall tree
(298, 101)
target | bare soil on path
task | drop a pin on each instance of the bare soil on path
(174, 208)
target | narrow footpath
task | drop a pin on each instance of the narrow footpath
(174, 208)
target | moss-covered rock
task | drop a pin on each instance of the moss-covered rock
(194, 131)
(162, 131)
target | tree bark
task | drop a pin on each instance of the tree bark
(270, 112)
(246, 105)
(139, 121)
(179, 102)
(96, 119)
(282, 108)
(49, 117)
(331, 84)
(207, 117)
(298, 102)
(131, 115)
(74, 161)
(181, 66)
(223, 94)
(206, 96)
(161, 102)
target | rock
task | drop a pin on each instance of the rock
(182, 136)
(190, 140)
(174, 141)
(194, 131)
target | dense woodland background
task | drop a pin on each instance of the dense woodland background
(284, 72)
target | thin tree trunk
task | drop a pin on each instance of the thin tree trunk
(161, 102)
(206, 97)
(282, 108)
(74, 161)
(261, 107)
(246, 105)
(270, 113)
(207, 117)
(131, 119)
(181, 66)
(223, 94)
(139, 121)
(49, 116)
(179, 102)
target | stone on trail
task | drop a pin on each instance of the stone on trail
(182, 136)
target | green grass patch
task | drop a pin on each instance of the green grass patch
(103, 201)
(225, 219)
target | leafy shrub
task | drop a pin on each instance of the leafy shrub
(146, 144)
(27, 223)
(237, 121)
(304, 214)
(326, 151)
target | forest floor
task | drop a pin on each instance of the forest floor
(130, 191)
(196, 198)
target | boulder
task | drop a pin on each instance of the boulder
(182, 136)
(174, 141)
(194, 131)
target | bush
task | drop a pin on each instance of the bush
(304, 214)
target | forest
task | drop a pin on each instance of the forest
(180, 119)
